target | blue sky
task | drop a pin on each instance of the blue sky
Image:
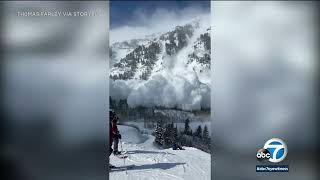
(123, 13)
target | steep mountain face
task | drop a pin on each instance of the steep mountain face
(119, 50)
(201, 50)
(177, 39)
(169, 69)
(185, 48)
(138, 63)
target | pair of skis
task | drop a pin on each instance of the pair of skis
(112, 167)
(123, 155)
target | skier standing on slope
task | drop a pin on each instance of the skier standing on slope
(115, 134)
(110, 137)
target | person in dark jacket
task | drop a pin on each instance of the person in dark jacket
(115, 134)
(177, 146)
(110, 138)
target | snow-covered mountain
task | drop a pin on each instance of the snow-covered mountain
(179, 59)
(145, 161)
(140, 58)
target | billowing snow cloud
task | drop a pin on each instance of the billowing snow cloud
(175, 85)
(163, 90)
(170, 92)
(161, 20)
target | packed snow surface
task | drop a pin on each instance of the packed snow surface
(147, 162)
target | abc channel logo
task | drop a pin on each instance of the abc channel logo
(274, 150)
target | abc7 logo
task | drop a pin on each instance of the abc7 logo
(274, 150)
(263, 155)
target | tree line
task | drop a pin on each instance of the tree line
(167, 134)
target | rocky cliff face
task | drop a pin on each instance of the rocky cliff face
(138, 63)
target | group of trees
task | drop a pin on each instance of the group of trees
(167, 134)
(124, 112)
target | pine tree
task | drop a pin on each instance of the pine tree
(169, 134)
(187, 127)
(198, 132)
(159, 133)
(172, 132)
(205, 135)
(175, 134)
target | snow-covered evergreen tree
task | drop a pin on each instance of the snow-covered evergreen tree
(170, 135)
(167, 136)
(159, 133)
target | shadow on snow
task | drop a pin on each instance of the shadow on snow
(147, 152)
(162, 166)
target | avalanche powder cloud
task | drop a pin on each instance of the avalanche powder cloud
(162, 90)
(174, 86)
(174, 91)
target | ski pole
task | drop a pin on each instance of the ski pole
(124, 159)
(121, 145)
